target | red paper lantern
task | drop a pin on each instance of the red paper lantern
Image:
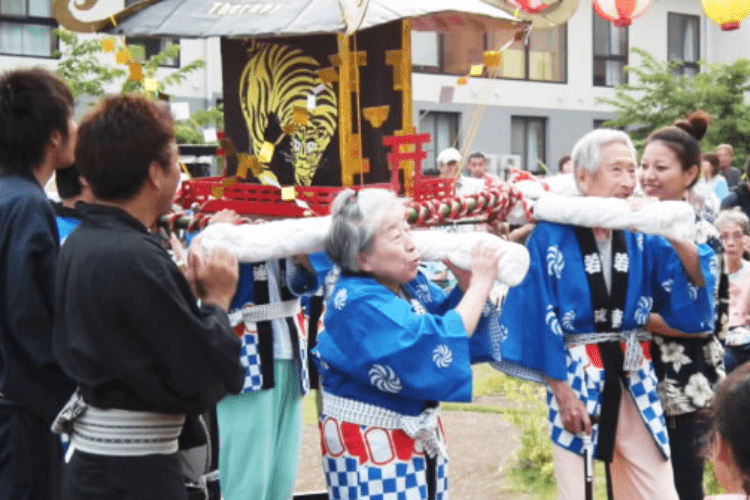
(530, 6)
(621, 12)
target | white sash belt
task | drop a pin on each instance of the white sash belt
(265, 312)
(632, 339)
(115, 432)
(423, 428)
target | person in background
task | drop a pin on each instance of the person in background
(564, 165)
(734, 229)
(37, 136)
(739, 195)
(712, 174)
(146, 352)
(687, 366)
(477, 168)
(732, 174)
(449, 163)
(729, 435)
(587, 295)
(262, 424)
(71, 188)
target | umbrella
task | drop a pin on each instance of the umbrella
(258, 18)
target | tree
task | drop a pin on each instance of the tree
(152, 64)
(85, 72)
(80, 67)
(660, 96)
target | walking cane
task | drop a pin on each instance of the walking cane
(588, 462)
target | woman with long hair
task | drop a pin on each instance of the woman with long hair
(687, 366)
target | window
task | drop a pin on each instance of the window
(26, 28)
(610, 53)
(683, 42)
(443, 130)
(150, 46)
(529, 140)
(453, 53)
(543, 59)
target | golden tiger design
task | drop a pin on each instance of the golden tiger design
(275, 79)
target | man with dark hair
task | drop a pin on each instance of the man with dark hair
(37, 136)
(477, 168)
(146, 354)
(739, 195)
(732, 174)
(71, 188)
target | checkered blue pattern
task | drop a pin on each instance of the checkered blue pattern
(399, 480)
(587, 381)
(302, 345)
(642, 385)
(250, 361)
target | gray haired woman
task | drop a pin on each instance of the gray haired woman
(393, 346)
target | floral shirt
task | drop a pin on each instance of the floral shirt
(688, 369)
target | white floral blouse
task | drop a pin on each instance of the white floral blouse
(688, 369)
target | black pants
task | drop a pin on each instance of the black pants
(685, 432)
(29, 456)
(96, 477)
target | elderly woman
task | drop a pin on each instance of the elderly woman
(393, 346)
(734, 228)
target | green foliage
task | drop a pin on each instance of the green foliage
(152, 64)
(184, 134)
(188, 131)
(659, 96)
(80, 68)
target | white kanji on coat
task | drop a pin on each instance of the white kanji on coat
(600, 316)
(621, 262)
(616, 318)
(592, 263)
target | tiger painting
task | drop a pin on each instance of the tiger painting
(275, 79)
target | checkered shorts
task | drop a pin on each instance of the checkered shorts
(373, 463)
(587, 381)
(399, 480)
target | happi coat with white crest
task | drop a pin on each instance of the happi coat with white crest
(387, 353)
(564, 298)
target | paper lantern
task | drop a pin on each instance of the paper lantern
(621, 12)
(530, 6)
(726, 13)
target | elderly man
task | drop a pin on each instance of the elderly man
(577, 322)
(449, 162)
(732, 174)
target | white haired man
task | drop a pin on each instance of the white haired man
(577, 323)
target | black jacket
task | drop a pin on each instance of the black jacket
(129, 330)
(739, 196)
(29, 374)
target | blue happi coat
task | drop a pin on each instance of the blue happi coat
(554, 300)
(399, 353)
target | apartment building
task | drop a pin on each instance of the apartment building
(544, 99)
(546, 95)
